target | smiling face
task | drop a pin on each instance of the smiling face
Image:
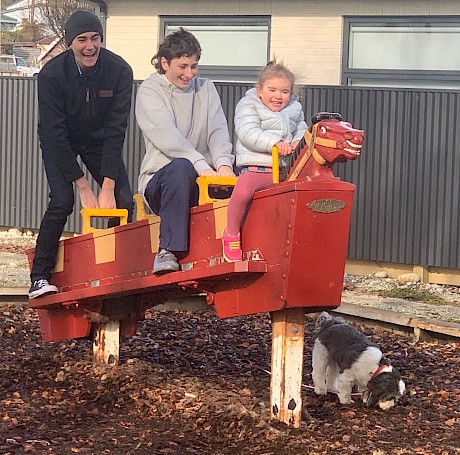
(86, 48)
(180, 71)
(275, 93)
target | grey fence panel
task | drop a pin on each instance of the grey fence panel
(134, 148)
(230, 94)
(406, 203)
(23, 185)
(22, 180)
(408, 175)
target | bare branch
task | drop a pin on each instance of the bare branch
(54, 13)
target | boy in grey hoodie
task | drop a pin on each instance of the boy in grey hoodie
(186, 135)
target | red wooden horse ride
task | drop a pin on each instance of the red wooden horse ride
(294, 250)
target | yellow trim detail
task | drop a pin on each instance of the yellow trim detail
(219, 209)
(326, 142)
(104, 245)
(154, 233)
(235, 245)
(318, 157)
(59, 265)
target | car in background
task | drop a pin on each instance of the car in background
(14, 65)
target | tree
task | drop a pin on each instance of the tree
(26, 32)
(47, 17)
(54, 13)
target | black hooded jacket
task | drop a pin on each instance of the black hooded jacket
(84, 112)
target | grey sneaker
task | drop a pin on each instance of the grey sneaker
(165, 261)
(40, 288)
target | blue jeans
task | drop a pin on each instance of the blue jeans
(171, 193)
(61, 204)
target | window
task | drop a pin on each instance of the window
(418, 52)
(234, 48)
(20, 61)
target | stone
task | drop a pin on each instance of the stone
(408, 278)
(381, 274)
(14, 232)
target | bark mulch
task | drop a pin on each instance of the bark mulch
(189, 383)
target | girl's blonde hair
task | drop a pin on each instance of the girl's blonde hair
(274, 69)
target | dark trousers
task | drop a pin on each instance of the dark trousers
(171, 192)
(61, 205)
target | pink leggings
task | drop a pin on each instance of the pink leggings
(247, 184)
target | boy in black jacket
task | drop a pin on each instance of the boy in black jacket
(84, 99)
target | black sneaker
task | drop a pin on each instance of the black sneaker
(165, 261)
(40, 288)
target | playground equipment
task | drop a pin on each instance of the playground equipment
(294, 250)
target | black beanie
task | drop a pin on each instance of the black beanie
(79, 22)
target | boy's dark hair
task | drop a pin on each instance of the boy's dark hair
(176, 45)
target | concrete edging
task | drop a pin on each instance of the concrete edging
(422, 328)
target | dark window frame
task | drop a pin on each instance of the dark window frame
(241, 74)
(394, 75)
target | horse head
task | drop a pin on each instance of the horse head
(329, 140)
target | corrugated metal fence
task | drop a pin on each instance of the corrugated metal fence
(408, 176)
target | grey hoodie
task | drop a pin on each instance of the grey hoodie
(179, 123)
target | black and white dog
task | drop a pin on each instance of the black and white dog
(343, 357)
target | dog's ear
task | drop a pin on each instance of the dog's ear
(368, 399)
(384, 387)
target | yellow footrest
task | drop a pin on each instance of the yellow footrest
(87, 214)
(205, 181)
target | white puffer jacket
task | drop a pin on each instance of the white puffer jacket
(258, 128)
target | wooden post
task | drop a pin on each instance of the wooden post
(423, 272)
(106, 343)
(287, 363)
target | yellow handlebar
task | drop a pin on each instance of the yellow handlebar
(141, 214)
(205, 181)
(275, 164)
(87, 214)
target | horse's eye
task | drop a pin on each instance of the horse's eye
(323, 130)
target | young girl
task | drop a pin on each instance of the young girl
(267, 115)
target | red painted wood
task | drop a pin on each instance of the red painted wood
(296, 259)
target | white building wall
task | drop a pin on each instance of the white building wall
(19, 10)
(136, 40)
(24, 9)
(305, 34)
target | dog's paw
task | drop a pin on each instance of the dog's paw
(385, 405)
(345, 399)
(320, 390)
